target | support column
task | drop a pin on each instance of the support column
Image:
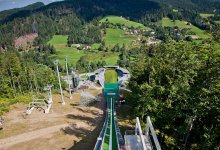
(61, 91)
(67, 75)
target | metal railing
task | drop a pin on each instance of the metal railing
(100, 140)
(136, 139)
(150, 128)
(139, 130)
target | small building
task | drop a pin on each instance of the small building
(152, 32)
(124, 28)
(135, 31)
(75, 45)
(86, 47)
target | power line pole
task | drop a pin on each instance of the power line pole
(58, 74)
(67, 75)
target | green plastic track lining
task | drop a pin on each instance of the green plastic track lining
(111, 91)
(107, 135)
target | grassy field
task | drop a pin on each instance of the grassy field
(206, 15)
(58, 39)
(111, 76)
(109, 57)
(183, 24)
(123, 21)
(217, 22)
(175, 10)
(115, 36)
(72, 54)
(95, 46)
(59, 42)
(112, 37)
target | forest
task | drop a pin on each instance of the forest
(178, 84)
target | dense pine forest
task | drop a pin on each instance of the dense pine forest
(175, 81)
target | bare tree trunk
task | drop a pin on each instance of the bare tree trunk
(20, 87)
(204, 143)
(218, 148)
(12, 82)
(188, 132)
(35, 82)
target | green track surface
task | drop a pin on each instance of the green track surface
(111, 76)
(111, 86)
(107, 134)
(114, 137)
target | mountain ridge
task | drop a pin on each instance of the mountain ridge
(6, 13)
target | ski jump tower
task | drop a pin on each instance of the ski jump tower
(110, 137)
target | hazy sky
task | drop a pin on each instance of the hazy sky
(9, 4)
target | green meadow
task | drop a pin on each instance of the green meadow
(111, 38)
(125, 22)
(206, 15)
(73, 55)
(175, 10)
(114, 36)
(183, 24)
(58, 39)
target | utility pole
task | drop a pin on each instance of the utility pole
(61, 91)
(67, 75)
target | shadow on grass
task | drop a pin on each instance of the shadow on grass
(125, 118)
(88, 111)
(89, 138)
(83, 118)
(73, 130)
(74, 104)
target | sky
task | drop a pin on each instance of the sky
(9, 4)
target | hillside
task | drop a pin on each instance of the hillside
(197, 33)
(123, 21)
(90, 9)
(55, 13)
(199, 5)
(13, 12)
